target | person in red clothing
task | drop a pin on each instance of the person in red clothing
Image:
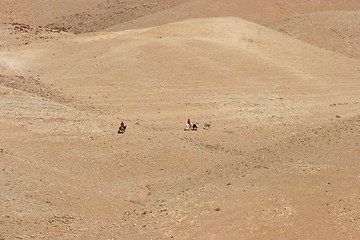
(189, 122)
(122, 128)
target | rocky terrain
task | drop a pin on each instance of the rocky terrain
(17, 34)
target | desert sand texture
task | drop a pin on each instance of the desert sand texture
(338, 31)
(42, 12)
(279, 161)
(81, 15)
(261, 11)
(89, 16)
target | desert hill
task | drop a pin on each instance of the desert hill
(220, 53)
(285, 119)
(261, 12)
(337, 31)
(22, 21)
(85, 15)
(78, 16)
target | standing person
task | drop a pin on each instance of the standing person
(189, 122)
(122, 124)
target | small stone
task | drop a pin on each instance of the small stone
(217, 209)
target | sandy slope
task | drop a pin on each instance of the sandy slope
(215, 54)
(260, 11)
(339, 27)
(109, 13)
(79, 16)
(285, 119)
(85, 15)
(337, 31)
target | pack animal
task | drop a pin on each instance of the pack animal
(207, 125)
(122, 130)
(195, 126)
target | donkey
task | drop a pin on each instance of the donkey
(207, 125)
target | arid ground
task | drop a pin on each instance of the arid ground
(278, 80)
